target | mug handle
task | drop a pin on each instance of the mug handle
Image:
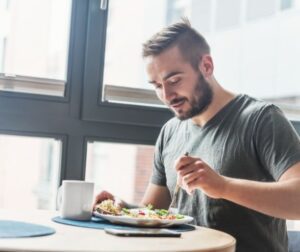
(59, 198)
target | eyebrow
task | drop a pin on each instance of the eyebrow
(167, 76)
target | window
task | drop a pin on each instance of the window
(114, 58)
(241, 34)
(29, 172)
(259, 9)
(34, 41)
(227, 14)
(123, 169)
(286, 4)
(260, 57)
(124, 66)
(51, 136)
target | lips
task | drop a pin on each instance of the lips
(177, 103)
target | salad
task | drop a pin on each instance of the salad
(108, 207)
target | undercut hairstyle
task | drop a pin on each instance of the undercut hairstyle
(192, 45)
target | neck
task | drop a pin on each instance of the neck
(221, 97)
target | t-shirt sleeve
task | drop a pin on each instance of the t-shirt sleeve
(158, 172)
(277, 142)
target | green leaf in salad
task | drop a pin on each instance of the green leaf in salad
(126, 210)
(149, 207)
(161, 212)
(179, 216)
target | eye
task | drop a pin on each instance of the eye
(174, 80)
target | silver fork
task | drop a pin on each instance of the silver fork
(176, 191)
(174, 198)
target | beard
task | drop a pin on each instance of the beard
(201, 98)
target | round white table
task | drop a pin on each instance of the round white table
(70, 238)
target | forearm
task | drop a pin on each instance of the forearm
(157, 196)
(279, 199)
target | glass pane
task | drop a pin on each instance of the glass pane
(255, 49)
(134, 17)
(34, 38)
(286, 4)
(126, 176)
(264, 56)
(293, 225)
(29, 172)
(256, 9)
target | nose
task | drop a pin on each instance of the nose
(168, 94)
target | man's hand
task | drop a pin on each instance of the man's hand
(194, 173)
(263, 197)
(104, 195)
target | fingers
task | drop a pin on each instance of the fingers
(189, 172)
(200, 182)
(104, 195)
(192, 174)
(189, 178)
(195, 184)
(191, 167)
(183, 161)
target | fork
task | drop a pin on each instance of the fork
(174, 198)
(176, 191)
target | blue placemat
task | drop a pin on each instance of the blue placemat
(100, 223)
(18, 229)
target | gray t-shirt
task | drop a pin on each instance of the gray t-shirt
(246, 139)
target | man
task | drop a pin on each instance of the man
(242, 174)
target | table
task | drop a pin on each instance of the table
(71, 239)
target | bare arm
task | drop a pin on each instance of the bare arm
(158, 196)
(280, 199)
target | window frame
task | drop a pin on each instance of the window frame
(52, 116)
(15, 80)
(19, 81)
(94, 109)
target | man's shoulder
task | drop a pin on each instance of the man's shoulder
(253, 112)
(174, 124)
(172, 127)
(255, 106)
(174, 121)
(253, 102)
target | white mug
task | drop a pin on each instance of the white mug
(75, 199)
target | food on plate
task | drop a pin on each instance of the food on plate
(108, 207)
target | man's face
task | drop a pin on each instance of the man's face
(199, 101)
(178, 85)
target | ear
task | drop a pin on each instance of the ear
(206, 65)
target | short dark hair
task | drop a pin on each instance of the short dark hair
(191, 43)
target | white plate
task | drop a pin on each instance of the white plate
(143, 222)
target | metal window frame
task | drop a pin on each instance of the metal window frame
(61, 117)
(94, 109)
(33, 85)
(128, 95)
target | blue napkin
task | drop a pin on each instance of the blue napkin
(99, 223)
(16, 229)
